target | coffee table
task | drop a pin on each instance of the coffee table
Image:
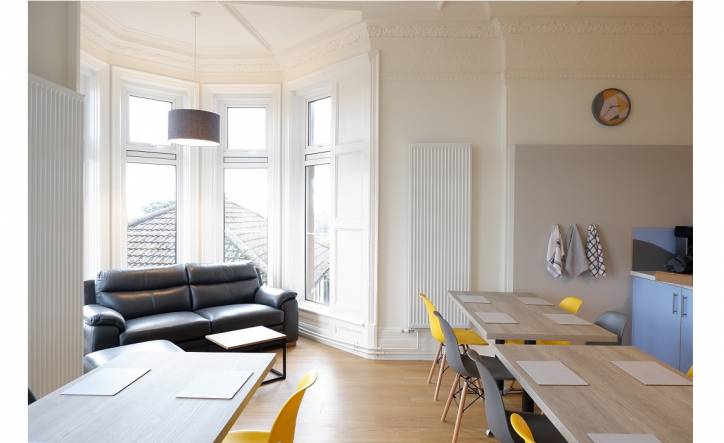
(247, 339)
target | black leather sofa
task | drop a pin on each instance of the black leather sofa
(182, 303)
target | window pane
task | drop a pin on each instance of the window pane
(320, 122)
(246, 128)
(148, 120)
(318, 213)
(151, 214)
(245, 217)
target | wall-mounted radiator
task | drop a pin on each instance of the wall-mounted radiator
(55, 228)
(439, 228)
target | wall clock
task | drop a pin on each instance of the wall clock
(611, 107)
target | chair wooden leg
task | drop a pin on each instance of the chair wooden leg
(455, 385)
(461, 409)
(434, 362)
(439, 377)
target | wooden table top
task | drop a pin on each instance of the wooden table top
(613, 401)
(532, 323)
(245, 337)
(148, 410)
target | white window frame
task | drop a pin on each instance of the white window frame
(181, 94)
(320, 155)
(218, 98)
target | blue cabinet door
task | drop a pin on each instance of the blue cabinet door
(686, 357)
(656, 321)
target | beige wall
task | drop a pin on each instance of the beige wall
(429, 93)
(54, 41)
(618, 188)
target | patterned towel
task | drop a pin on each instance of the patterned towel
(594, 252)
(555, 253)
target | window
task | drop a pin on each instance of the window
(246, 129)
(318, 211)
(246, 193)
(148, 120)
(151, 214)
(319, 126)
(318, 200)
(150, 184)
(246, 217)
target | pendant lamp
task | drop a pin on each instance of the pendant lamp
(194, 127)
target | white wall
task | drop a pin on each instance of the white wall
(54, 41)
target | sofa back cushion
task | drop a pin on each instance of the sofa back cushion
(222, 284)
(141, 292)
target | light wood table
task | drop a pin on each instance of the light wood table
(148, 410)
(247, 339)
(532, 323)
(613, 401)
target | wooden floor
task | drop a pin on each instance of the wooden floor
(360, 400)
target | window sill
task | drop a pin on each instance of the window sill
(324, 311)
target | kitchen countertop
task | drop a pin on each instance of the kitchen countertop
(651, 275)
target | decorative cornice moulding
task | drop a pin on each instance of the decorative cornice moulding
(340, 45)
(597, 25)
(465, 30)
(401, 76)
(584, 75)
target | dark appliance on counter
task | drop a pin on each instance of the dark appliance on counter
(683, 262)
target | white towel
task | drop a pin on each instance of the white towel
(576, 262)
(594, 252)
(555, 254)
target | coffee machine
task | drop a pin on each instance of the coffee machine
(683, 263)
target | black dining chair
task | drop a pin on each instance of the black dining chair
(466, 372)
(499, 419)
(614, 322)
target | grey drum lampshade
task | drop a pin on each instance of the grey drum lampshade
(193, 127)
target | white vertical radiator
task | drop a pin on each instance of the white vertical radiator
(55, 228)
(439, 228)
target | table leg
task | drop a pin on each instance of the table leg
(281, 375)
(528, 403)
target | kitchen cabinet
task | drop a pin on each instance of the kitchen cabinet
(661, 323)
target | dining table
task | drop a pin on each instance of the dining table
(532, 322)
(612, 401)
(151, 408)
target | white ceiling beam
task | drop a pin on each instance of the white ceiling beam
(246, 25)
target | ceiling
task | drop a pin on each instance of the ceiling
(238, 27)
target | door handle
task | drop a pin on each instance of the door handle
(683, 305)
(673, 303)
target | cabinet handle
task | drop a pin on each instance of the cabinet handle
(683, 305)
(673, 303)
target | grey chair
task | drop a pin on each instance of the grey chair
(499, 419)
(614, 322)
(467, 372)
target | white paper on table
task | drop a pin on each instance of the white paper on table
(528, 300)
(551, 372)
(652, 373)
(220, 384)
(623, 438)
(473, 298)
(567, 319)
(495, 317)
(106, 381)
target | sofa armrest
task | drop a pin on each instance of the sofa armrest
(97, 315)
(273, 297)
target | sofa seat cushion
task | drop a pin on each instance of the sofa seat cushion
(99, 358)
(230, 317)
(174, 326)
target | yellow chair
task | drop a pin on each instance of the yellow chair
(282, 430)
(465, 337)
(569, 304)
(690, 372)
(521, 428)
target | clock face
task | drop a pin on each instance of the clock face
(611, 107)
